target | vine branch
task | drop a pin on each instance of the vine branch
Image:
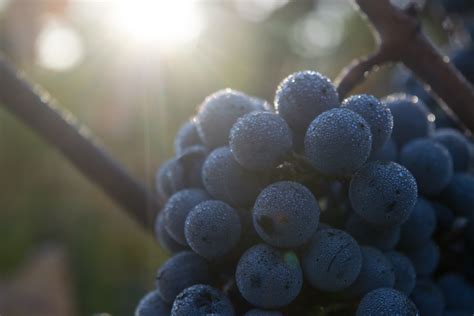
(59, 128)
(399, 39)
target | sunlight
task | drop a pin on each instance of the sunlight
(58, 46)
(162, 23)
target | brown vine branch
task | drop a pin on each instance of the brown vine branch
(60, 130)
(357, 71)
(400, 39)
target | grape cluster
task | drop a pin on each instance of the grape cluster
(314, 206)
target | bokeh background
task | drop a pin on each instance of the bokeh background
(133, 71)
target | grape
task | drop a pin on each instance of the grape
(226, 180)
(152, 305)
(177, 209)
(260, 140)
(458, 293)
(410, 118)
(302, 96)
(191, 159)
(183, 171)
(425, 258)
(212, 229)
(430, 164)
(179, 272)
(388, 152)
(386, 301)
(332, 260)
(428, 298)
(376, 114)
(381, 237)
(260, 312)
(163, 237)
(419, 227)
(202, 300)
(268, 277)
(338, 142)
(459, 194)
(383, 193)
(187, 136)
(444, 216)
(405, 274)
(219, 112)
(414, 87)
(456, 144)
(169, 178)
(286, 214)
(376, 272)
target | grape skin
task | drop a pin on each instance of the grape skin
(381, 237)
(186, 136)
(267, 277)
(376, 114)
(388, 152)
(152, 305)
(377, 271)
(219, 112)
(419, 227)
(338, 142)
(212, 229)
(410, 118)
(456, 144)
(383, 193)
(405, 274)
(225, 179)
(163, 237)
(202, 300)
(458, 293)
(286, 214)
(302, 96)
(459, 194)
(180, 172)
(332, 260)
(386, 301)
(169, 179)
(430, 163)
(260, 140)
(179, 272)
(428, 298)
(177, 209)
(425, 258)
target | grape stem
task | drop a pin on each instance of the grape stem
(35, 109)
(399, 38)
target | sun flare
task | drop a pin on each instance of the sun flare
(162, 23)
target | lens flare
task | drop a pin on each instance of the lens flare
(161, 23)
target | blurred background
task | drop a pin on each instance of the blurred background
(133, 71)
